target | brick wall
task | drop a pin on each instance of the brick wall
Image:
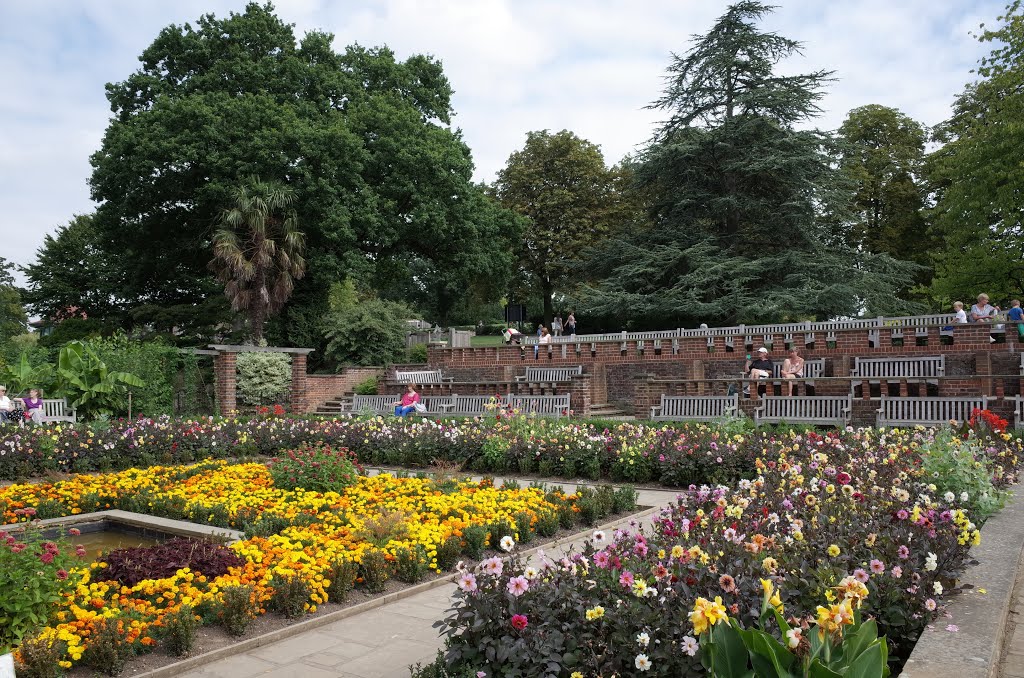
(323, 387)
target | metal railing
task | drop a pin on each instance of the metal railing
(881, 323)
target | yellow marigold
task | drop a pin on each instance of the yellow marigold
(832, 550)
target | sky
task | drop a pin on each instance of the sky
(515, 65)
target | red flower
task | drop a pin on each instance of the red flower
(62, 574)
(519, 621)
(46, 557)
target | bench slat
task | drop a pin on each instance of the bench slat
(927, 411)
(899, 368)
(694, 408)
(825, 410)
(550, 374)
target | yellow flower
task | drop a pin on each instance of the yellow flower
(832, 550)
(706, 614)
(595, 612)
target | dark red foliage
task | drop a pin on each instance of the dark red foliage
(129, 566)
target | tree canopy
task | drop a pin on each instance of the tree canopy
(560, 183)
(977, 177)
(12, 314)
(738, 196)
(382, 182)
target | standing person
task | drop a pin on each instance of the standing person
(34, 406)
(408, 402)
(1016, 315)
(544, 338)
(570, 323)
(758, 368)
(982, 312)
(961, 315)
(792, 368)
(556, 325)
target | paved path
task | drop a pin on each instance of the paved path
(380, 643)
(1011, 664)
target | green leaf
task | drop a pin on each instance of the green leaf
(871, 663)
(730, 652)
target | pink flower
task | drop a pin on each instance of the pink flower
(517, 586)
(860, 575)
(877, 566)
(896, 572)
(493, 566)
(952, 628)
(467, 582)
(519, 621)
(601, 559)
(62, 574)
(903, 552)
(902, 514)
(626, 579)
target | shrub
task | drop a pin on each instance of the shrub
(180, 629)
(41, 655)
(33, 577)
(343, 575)
(237, 609)
(263, 378)
(109, 649)
(317, 467)
(129, 566)
(365, 330)
(366, 387)
(417, 353)
(411, 565)
(448, 553)
(291, 595)
(376, 570)
(475, 537)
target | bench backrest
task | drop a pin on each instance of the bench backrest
(698, 408)
(548, 374)
(928, 366)
(56, 409)
(471, 404)
(927, 410)
(419, 377)
(807, 409)
(812, 369)
(377, 403)
(544, 405)
(437, 404)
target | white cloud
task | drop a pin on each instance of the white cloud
(516, 66)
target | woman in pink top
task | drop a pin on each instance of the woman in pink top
(408, 402)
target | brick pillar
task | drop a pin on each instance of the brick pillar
(579, 395)
(225, 370)
(299, 393)
(697, 372)
(983, 368)
(643, 395)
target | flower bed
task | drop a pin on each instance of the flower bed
(831, 529)
(303, 548)
(672, 455)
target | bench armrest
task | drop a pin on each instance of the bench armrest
(655, 411)
(521, 378)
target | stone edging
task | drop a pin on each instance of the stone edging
(976, 648)
(178, 668)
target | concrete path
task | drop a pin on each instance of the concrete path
(380, 643)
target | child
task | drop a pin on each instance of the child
(1016, 315)
(961, 315)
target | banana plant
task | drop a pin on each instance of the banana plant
(83, 378)
(21, 376)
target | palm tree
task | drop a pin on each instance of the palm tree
(257, 252)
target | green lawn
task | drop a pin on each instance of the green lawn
(493, 340)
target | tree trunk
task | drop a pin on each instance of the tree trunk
(549, 311)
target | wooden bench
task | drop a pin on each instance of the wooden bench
(385, 404)
(540, 405)
(927, 411)
(421, 377)
(550, 374)
(822, 410)
(57, 409)
(695, 408)
(1018, 411)
(879, 369)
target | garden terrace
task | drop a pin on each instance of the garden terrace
(633, 371)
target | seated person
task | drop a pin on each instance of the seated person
(408, 402)
(961, 315)
(33, 406)
(792, 368)
(1016, 315)
(982, 312)
(760, 367)
(9, 412)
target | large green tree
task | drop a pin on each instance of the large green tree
(382, 182)
(561, 184)
(738, 187)
(12, 313)
(257, 252)
(883, 155)
(978, 178)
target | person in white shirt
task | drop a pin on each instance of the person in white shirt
(981, 312)
(545, 338)
(6, 406)
(961, 315)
